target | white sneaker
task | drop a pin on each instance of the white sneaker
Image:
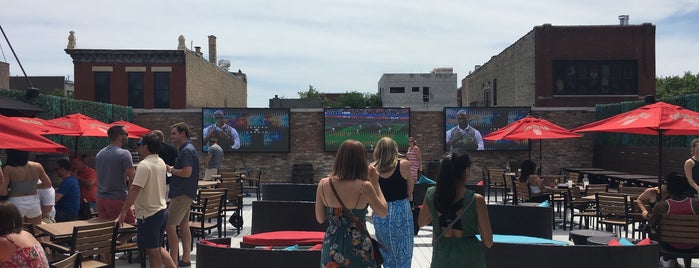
(667, 263)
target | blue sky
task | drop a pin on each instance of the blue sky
(337, 45)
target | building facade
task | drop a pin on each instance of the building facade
(567, 66)
(157, 79)
(436, 89)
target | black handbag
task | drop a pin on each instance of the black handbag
(84, 213)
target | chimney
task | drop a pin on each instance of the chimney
(212, 49)
(623, 20)
(197, 50)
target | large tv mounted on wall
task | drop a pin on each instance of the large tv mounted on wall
(246, 129)
(366, 126)
(466, 126)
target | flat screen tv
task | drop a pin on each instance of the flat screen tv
(257, 129)
(366, 126)
(477, 122)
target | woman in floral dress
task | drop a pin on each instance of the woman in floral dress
(344, 244)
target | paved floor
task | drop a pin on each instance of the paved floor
(422, 252)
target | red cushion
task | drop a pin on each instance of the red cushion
(284, 238)
(643, 242)
(480, 183)
(316, 247)
(212, 244)
(614, 243)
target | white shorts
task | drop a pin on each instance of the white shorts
(209, 172)
(28, 205)
(47, 197)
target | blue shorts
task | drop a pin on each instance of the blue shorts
(150, 230)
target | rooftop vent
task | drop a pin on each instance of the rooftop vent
(623, 20)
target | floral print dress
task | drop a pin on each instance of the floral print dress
(344, 245)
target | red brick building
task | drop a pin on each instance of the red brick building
(567, 66)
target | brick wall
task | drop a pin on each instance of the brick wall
(426, 126)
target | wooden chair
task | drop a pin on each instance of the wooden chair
(574, 176)
(596, 188)
(496, 182)
(523, 194)
(558, 199)
(233, 201)
(633, 191)
(96, 244)
(613, 209)
(211, 209)
(673, 228)
(585, 209)
(71, 261)
(253, 183)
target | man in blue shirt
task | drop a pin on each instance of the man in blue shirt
(67, 194)
(183, 190)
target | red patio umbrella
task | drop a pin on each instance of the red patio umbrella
(530, 128)
(135, 131)
(84, 125)
(41, 126)
(14, 136)
(654, 119)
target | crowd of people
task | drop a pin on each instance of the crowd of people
(116, 190)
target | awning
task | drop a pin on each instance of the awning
(12, 107)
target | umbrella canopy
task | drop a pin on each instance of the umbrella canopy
(84, 125)
(135, 131)
(41, 126)
(530, 128)
(14, 136)
(654, 119)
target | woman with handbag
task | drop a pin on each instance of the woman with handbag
(458, 214)
(395, 231)
(353, 182)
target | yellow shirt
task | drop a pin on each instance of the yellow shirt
(150, 175)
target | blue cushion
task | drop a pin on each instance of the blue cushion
(425, 180)
(294, 247)
(625, 242)
(544, 204)
(521, 239)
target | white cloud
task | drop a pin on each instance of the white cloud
(334, 45)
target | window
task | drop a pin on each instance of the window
(162, 89)
(416, 89)
(425, 94)
(136, 89)
(595, 78)
(397, 90)
(103, 86)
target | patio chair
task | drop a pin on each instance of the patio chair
(496, 182)
(592, 189)
(585, 208)
(633, 191)
(613, 210)
(96, 244)
(71, 262)
(233, 201)
(673, 228)
(211, 209)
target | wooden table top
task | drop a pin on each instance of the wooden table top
(64, 229)
(631, 176)
(602, 172)
(578, 169)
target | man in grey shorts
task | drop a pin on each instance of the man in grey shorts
(183, 190)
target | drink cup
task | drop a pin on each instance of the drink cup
(570, 183)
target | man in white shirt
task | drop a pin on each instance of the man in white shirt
(462, 137)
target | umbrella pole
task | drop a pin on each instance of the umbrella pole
(529, 142)
(541, 157)
(660, 158)
(76, 146)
